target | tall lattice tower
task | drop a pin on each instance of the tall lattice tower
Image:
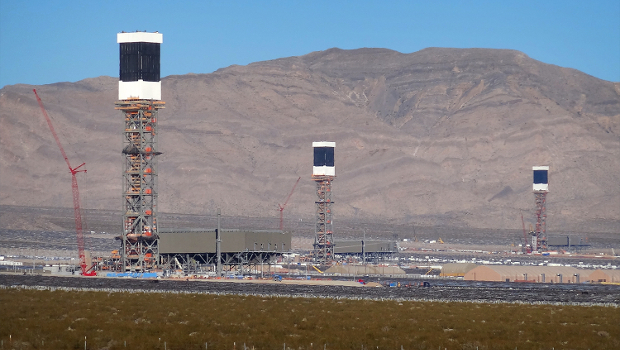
(323, 173)
(541, 188)
(139, 94)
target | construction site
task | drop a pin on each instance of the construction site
(145, 249)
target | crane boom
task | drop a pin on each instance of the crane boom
(284, 205)
(76, 194)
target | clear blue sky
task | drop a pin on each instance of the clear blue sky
(44, 42)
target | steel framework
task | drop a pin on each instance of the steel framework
(139, 247)
(237, 262)
(323, 231)
(541, 221)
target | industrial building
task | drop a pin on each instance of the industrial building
(196, 251)
(538, 274)
(605, 276)
(368, 250)
(566, 243)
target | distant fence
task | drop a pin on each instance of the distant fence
(132, 274)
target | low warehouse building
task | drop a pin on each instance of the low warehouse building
(195, 250)
(566, 243)
(605, 276)
(372, 250)
(539, 274)
(233, 241)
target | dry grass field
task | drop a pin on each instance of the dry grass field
(37, 319)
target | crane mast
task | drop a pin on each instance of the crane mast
(76, 194)
(284, 205)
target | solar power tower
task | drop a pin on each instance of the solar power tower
(323, 173)
(139, 94)
(541, 188)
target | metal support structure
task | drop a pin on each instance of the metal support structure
(218, 244)
(139, 246)
(364, 249)
(324, 240)
(239, 263)
(541, 221)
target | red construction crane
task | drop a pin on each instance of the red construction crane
(284, 205)
(86, 271)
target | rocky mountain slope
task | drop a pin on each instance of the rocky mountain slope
(435, 137)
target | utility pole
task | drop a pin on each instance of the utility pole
(364, 249)
(218, 245)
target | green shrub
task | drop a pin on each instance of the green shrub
(35, 319)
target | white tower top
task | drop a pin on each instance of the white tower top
(139, 76)
(324, 158)
(541, 178)
(140, 37)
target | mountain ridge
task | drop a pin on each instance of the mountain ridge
(438, 136)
